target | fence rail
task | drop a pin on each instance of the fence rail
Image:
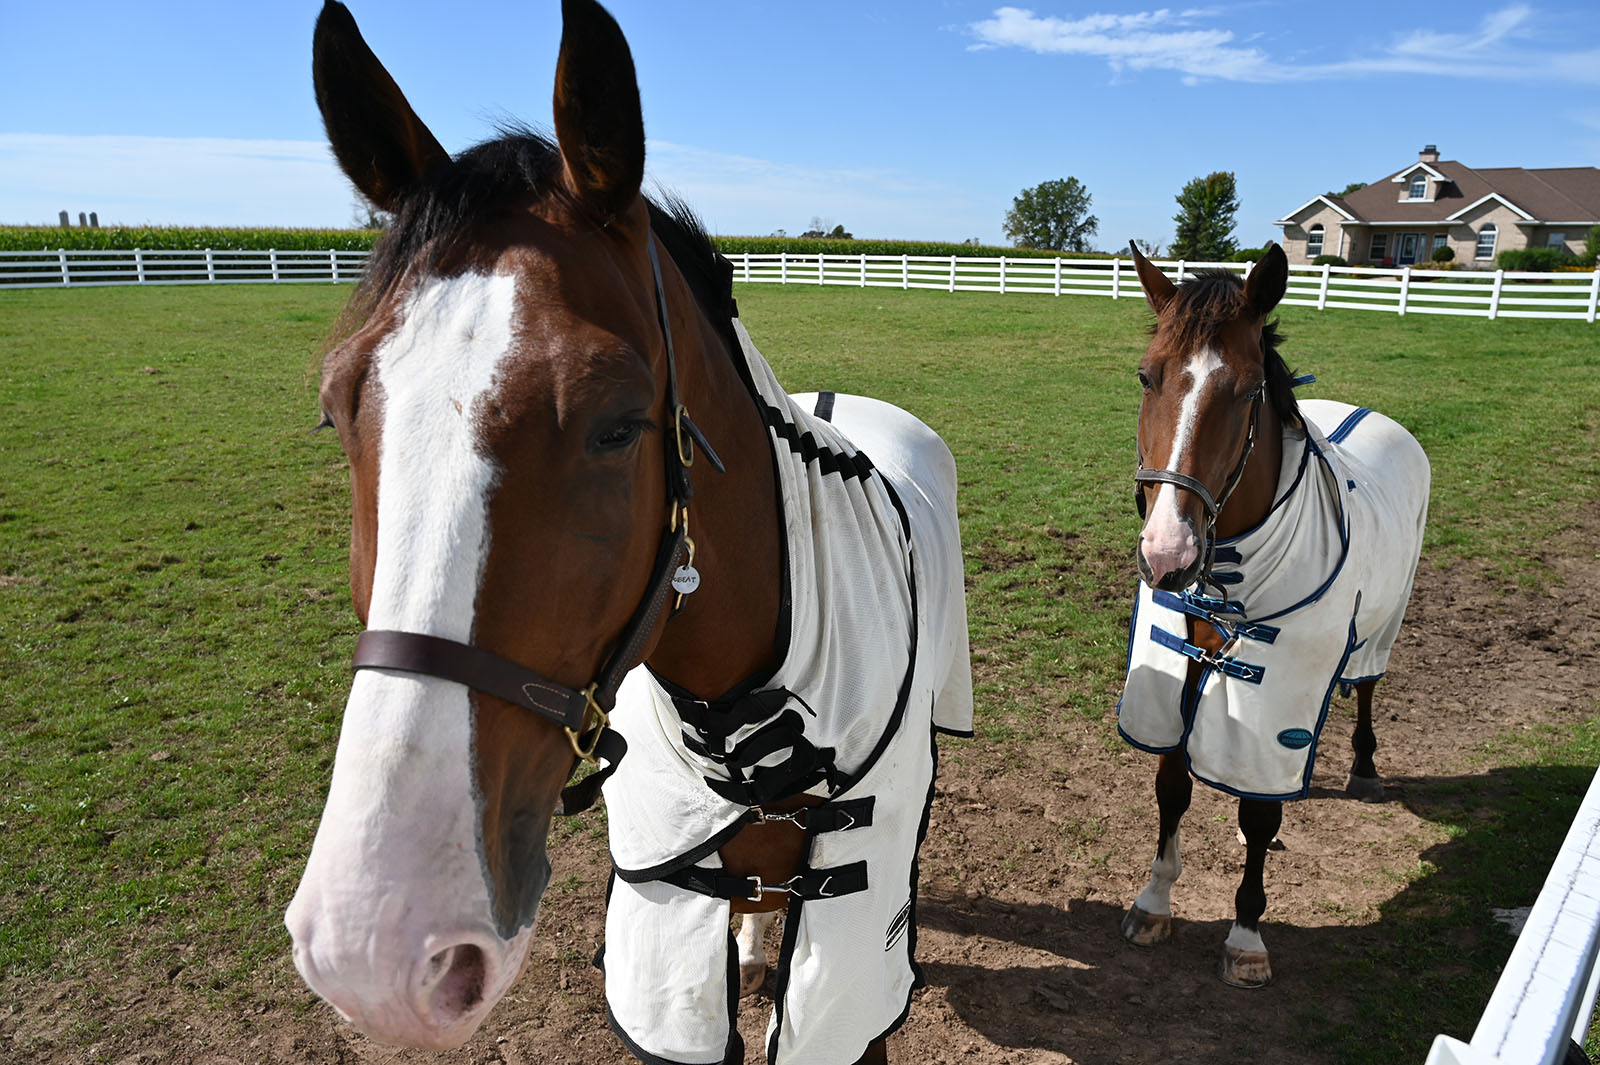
(57, 269)
(1546, 993)
(1501, 294)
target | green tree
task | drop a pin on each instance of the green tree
(1054, 215)
(1206, 207)
(1354, 186)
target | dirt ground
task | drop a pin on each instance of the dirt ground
(1029, 865)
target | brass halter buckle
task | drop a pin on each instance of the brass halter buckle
(601, 721)
(685, 441)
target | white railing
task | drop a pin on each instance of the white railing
(55, 269)
(1547, 989)
(1501, 294)
(1406, 290)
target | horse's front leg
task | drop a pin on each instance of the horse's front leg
(1363, 782)
(1244, 955)
(752, 950)
(1149, 920)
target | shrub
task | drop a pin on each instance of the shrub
(1247, 255)
(178, 238)
(1329, 260)
(1443, 254)
(1591, 248)
(1541, 259)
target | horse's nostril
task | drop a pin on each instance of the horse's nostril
(456, 976)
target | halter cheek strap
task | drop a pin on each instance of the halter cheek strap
(435, 656)
(1213, 505)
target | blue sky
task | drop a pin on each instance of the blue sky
(896, 118)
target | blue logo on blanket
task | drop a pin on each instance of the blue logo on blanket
(1295, 738)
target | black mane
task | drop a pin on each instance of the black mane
(1208, 301)
(487, 182)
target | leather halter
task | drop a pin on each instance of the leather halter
(435, 656)
(1213, 505)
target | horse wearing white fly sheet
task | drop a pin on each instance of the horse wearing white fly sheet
(848, 715)
(1315, 595)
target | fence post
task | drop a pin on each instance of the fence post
(1322, 293)
(211, 265)
(272, 257)
(1405, 288)
(1180, 271)
(138, 264)
(1116, 279)
(905, 278)
(1249, 266)
(783, 268)
(66, 278)
(1594, 294)
(820, 268)
(952, 273)
(1002, 275)
(333, 264)
(1058, 276)
(1494, 297)
(863, 269)
(747, 266)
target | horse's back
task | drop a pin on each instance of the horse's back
(1388, 482)
(918, 464)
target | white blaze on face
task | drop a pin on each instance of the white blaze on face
(1168, 543)
(395, 879)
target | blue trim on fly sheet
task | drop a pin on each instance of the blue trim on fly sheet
(1344, 545)
(1348, 426)
(1232, 667)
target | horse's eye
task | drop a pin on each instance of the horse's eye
(619, 436)
(1144, 382)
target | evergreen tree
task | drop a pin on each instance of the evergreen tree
(1205, 219)
(1054, 215)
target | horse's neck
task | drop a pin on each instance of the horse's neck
(1258, 485)
(726, 632)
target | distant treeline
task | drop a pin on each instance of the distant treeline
(173, 238)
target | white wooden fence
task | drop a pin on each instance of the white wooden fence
(1547, 989)
(1501, 294)
(54, 269)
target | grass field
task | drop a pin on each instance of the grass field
(175, 625)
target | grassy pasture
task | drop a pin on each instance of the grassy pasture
(175, 628)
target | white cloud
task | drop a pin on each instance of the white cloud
(1503, 47)
(171, 181)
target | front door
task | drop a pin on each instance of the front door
(1408, 249)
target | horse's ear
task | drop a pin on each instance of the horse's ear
(599, 124)
(1157, 288)
(1268, 280)
(380, 143)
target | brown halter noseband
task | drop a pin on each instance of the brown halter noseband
(434, 656)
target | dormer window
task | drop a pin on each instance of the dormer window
(1419, 187)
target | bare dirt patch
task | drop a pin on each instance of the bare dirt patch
(1030, 861)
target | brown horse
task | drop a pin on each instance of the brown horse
(1277, 555)
(513, 389)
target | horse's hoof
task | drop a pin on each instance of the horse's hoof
(1146, 929)
(751, 977)
(1245, 968)
(1367, 789)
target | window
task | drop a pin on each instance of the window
(1556, 240)
(1380, 247)
(1419, 187)
(1486, 237)
(1440, 240)
(1314, 241)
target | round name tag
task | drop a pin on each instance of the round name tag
(685, 580)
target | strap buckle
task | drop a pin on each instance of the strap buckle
(685, 440)
(758, 888)
(602, 720)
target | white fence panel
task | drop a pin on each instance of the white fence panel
(1502, 294)
(1546, 993)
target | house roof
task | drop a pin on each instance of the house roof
(1554, 195)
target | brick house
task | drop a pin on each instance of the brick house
(1399, 220)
